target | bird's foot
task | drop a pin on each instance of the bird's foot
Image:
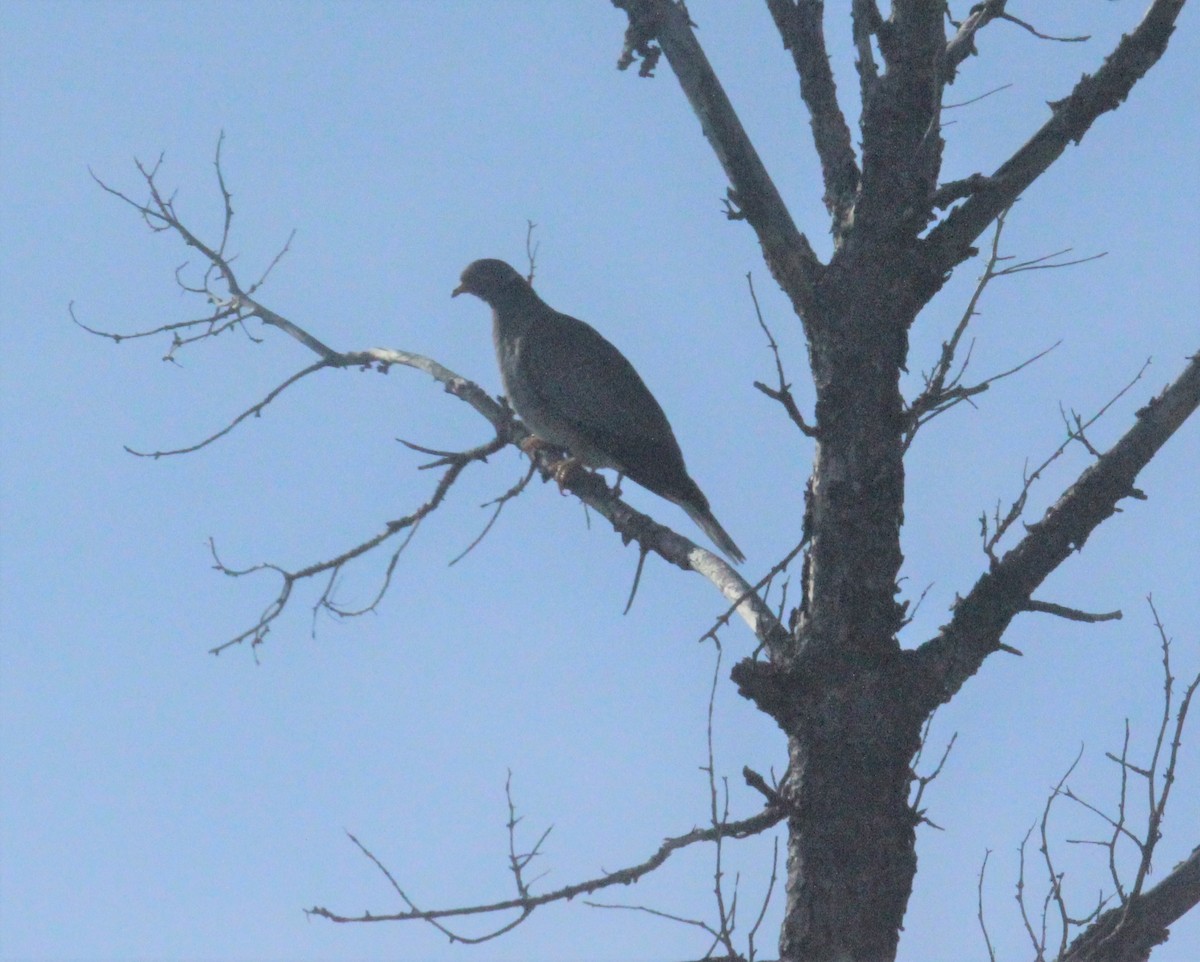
(563, 471)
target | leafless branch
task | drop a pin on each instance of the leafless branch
(1141, 918)
(517, 861)
(865, 21)
(949, 243)
(962, 45)
(923, 781)
(1037, 939)
(1001, 526)
(499, 502)
(788, 254)
(975, 100)
(752, 592)
(802, 31)
(723, 928)
(901, 144)
(531, 250)
(253, 411)
(637, 580)
(910, 615)
(750, 936)
(257, 633)
(1054, 891)
(718, 815)
(1072, 614)
(234, 305)
(942, 390)
(1042, 36)
(943, 664)
(979, 907)
(744, 828)
(782, 394)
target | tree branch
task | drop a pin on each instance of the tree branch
(945, 662)
(901, 142)
(865, 22)
(800, 26)
(235, 305)
(962, 44)
(1129, 932)
(754, 825)
(950, 242)
(787, 252)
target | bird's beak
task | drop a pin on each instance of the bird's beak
(461, 289)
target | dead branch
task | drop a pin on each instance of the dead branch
(234, 305)
(744, 828)
(949, 243)
(1072, 614)
(865, 22)
(942, 664)
(783, 393)
(499, 502)
(962, 44)
(942, 390)
(257, 633)
(253, 411)
(788, 254)
(974, 100)
(979, 913)
(1000, 525)
(923, 781)
(901, 144)
(802, 31)
(723, 928)
(1141, 917)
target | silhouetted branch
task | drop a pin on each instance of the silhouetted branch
(943, 391)
(979, 913)
(1142, 916)
(253, 411)
(745, 828)
(949, 243)
(1001, 526)
(945, 662)
(788, 254)
(802, 31)
(722, 930)
(923, 781)
(782, 394)
(865, 22)
(233, 305)
(1072, 614)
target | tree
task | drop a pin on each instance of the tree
(851, 701)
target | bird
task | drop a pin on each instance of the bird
(575, 390)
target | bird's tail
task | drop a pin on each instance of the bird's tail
(703, 516)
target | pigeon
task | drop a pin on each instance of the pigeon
(575, 390)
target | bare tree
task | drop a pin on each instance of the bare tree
(853, 705)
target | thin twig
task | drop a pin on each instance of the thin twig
(782, 394)
(744, 828)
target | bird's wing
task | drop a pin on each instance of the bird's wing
(592, 387)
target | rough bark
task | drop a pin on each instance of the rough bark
(1129, 933)
(850, 702)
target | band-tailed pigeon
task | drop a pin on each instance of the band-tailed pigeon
(575, 390)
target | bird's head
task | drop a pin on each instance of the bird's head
(490, 280)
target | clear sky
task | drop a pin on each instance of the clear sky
(161, 803)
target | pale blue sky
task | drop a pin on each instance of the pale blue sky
(160, 803)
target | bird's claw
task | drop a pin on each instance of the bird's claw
(562, 470)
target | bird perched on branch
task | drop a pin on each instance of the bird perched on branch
(576, 391)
